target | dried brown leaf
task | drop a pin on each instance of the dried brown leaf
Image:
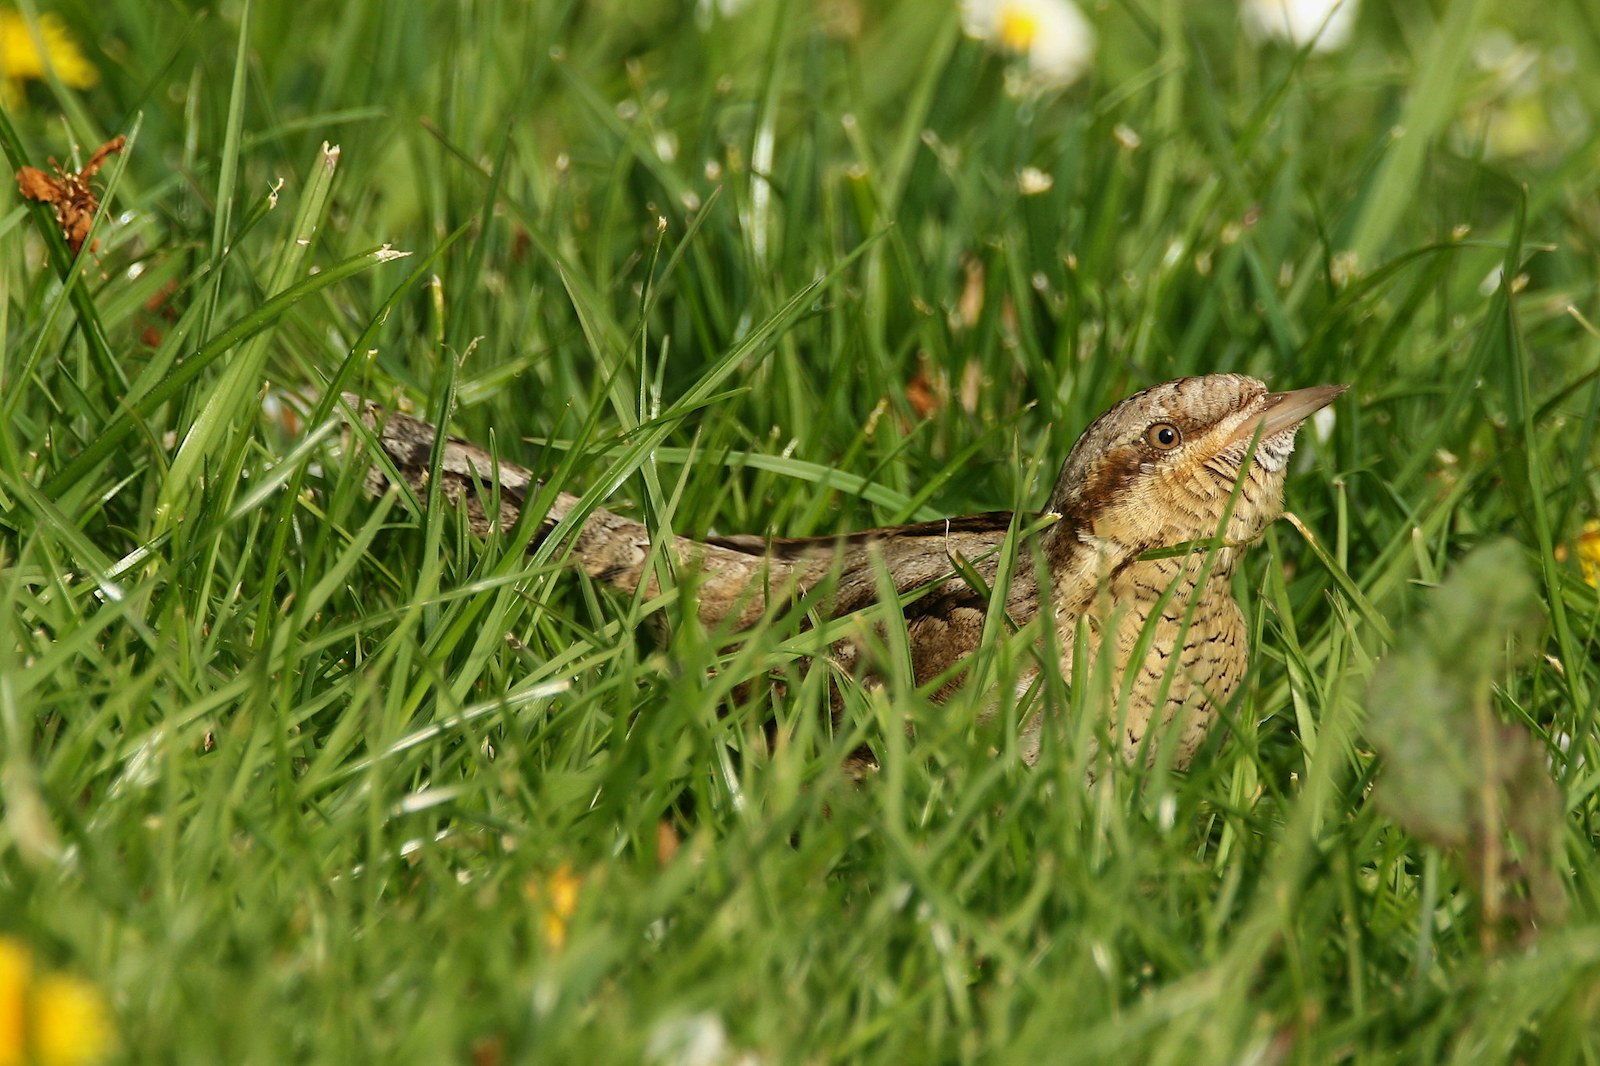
(74, 198)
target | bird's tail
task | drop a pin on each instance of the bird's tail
(731, 584)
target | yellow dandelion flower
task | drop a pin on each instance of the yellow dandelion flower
(558, 899)
(70, 1023)
(22, 60)
(561, 903)
(48, 1019)
(16, 966)
(1587, 549)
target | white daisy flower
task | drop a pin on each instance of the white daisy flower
(1328, 23)
(1052, 35)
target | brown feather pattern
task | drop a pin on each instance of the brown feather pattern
(1167, 627)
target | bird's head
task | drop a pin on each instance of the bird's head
(1159, 468)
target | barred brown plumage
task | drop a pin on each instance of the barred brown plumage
(1152, 507)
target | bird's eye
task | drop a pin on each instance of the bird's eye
(1163, 435)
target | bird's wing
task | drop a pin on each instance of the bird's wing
(944, 572)
(916, 556)
(737, 577)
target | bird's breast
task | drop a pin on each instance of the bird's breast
(1167, 650)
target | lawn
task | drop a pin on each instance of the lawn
(293, 773)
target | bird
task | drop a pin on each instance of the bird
(1135, 549)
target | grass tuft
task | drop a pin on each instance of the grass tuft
(289, 772)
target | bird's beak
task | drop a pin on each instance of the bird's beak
(1285, 410)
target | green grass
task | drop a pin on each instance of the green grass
(295, 775)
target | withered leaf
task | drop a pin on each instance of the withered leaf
(1454, 773)
(74, 198)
